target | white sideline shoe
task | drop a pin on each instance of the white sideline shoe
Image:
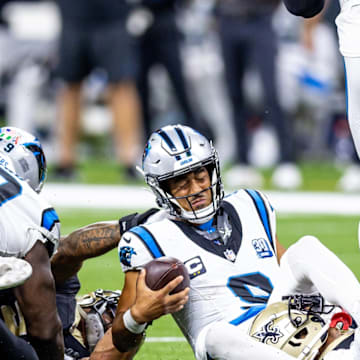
(13, 272)
(350, 181)
(243, 176)
(287, 176)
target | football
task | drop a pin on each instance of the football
(160, 271)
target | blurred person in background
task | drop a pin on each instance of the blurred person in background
(160, 44)
(248, 39)
(26, 63)
(348, 28)
(94, 35)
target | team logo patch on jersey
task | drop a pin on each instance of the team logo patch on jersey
(125, 254)
(262, 248)
(195, 266)
(269, 332)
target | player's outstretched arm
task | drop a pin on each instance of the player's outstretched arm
(36, 298)
(105, 350)
(139, 305)
(84, 243)
(91, 241)
(305, 8)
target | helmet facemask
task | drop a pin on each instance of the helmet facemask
(202, 215)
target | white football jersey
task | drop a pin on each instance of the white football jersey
(229, 282)
(348, 27)
(25, 217)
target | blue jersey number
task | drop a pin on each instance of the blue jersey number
(253, 288)
(9, 187)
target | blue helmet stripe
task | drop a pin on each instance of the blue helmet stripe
(147, 238)
(261, 209)
(182, 138)
(167, 139)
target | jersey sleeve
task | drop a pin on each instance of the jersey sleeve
(271, 215)
(133, 252)
(50, 238)
(266, 213)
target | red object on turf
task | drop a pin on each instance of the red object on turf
(160, 271)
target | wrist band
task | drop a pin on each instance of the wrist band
(131, 324)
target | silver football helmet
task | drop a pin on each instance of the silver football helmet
(22, 153)
(175, 150)
(299, 333)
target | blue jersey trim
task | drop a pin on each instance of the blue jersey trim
(49, 218)
(254, 310)
(262, 211)
(148, 239)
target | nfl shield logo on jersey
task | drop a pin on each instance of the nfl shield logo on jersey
(230, 255)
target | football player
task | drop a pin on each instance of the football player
(29, 230)
(81, 333)
(228, 244)
(348, 27)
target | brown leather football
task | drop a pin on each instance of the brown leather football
(160, 271)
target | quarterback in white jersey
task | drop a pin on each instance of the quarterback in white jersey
(230, 281)
(229, 246)
(29, 230)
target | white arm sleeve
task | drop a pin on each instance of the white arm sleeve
(308, 266)
(223, 341)
(132, 252)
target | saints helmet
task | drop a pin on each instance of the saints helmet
(300, 333)
(97, 310)
(175, 150)
(22, 153)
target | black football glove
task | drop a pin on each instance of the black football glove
(135, 219)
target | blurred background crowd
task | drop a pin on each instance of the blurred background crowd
(95, 77)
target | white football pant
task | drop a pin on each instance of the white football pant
(352, 70)
(308, 267)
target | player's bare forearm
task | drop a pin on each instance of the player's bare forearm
(36, 299)
(124, 340)
(105, 350)
(84, 243)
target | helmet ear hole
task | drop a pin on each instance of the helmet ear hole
(301, 334)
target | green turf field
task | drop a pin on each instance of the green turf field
(339, 233)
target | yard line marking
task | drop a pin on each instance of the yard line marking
(165, 339)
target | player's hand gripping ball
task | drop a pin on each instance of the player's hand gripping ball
(160, 271)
